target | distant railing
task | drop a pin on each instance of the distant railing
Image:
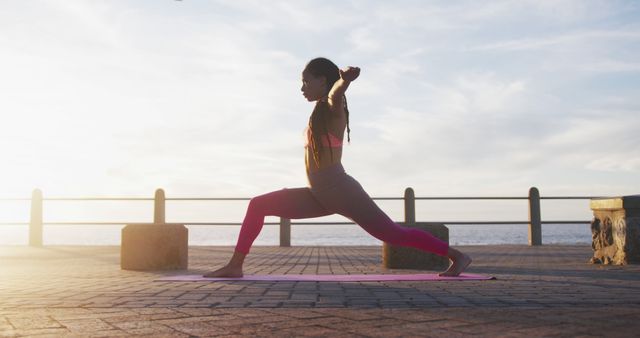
(535, 222)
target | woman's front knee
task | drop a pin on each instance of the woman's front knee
(256, 203)
(266, 201)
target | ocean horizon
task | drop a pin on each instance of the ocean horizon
(301, 234)
(124, 212)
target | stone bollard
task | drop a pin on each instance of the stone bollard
(399, 257)
(615, 230)
(151, 246)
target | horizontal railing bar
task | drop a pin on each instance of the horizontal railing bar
(565, 222)
(98, 199)
(239, 223)
(375, 198)
(95, 223)
(571, 197)
(123, 223)
(208, 199)
(471, 198)
(301, 223)
(478, 222)
(249, 198)
(332, 223)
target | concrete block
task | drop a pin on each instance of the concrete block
(399, 257)
(149, 246)
(615, 230)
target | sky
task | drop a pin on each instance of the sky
(202, 98)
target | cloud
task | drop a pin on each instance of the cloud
(599, 142)
(581, 36)
(475, 103)
(363, 40)
(453, 96)
(609, 66)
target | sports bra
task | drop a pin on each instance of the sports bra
(335, 141)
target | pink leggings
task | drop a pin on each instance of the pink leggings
(333, 191)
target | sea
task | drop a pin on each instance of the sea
(123, 212)
(302, 234)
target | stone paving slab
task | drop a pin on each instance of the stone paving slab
(549, 290)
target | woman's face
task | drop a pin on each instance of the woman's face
(313, 88)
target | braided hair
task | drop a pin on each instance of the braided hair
(318, 120)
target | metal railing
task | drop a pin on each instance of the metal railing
(534, 236)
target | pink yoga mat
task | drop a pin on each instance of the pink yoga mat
(328, 278)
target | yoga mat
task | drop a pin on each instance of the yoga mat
(328, 278)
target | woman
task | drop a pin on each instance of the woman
(331, 190)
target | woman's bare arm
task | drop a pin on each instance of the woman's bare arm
(336, 93)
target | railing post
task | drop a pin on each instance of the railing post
(409, 206)
(285, 232)
(35, 223)
(535, 223)
(159, 207)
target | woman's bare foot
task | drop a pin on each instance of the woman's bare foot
(460, 261)
(232, 269)
(226, 271)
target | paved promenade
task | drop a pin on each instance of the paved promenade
(540, 291)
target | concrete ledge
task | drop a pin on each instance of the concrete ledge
(149, 246)
(398, 257)
(614, 203)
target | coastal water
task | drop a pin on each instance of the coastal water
(123, 212)
(303, 234)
